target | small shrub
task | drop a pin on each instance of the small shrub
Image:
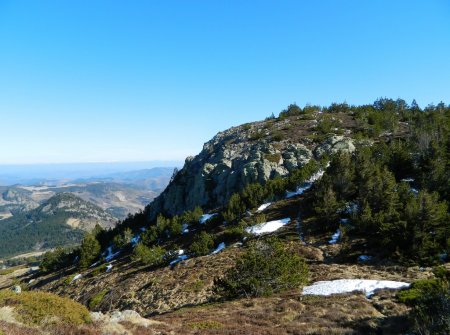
(202, 244)
(277, 136)
(196, 286)
(123, 239)
(204, 325)
(39, 308)
(54, 260)
(253, 194)
(257, 135)
(430, 301)
(98, 269)
(235, 232)
(89, 251)
(267, 267)
(192, 216)
(150, 256)
(273, 158)
(6, 272)
(234, 209)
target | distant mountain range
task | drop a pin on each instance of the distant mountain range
(57, 212)
(118, 193)
(50, 174)
(60, 220)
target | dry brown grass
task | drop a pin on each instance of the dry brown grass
(284, 314)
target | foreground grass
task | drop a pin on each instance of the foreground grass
(41, 308)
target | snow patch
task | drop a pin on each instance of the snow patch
(110, 255)
(181, 257)
(109, 267)
(76, 277)
(185, 228)
(307, 184)
(263, 207)
(135, 240)
(408, 180)
(206, 217)
(364, 258)
(368, 286)
(335, 237)
(267, 227)
(95, 264)
(219, 248)
(178, 259)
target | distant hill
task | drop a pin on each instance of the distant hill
(50, 174)
(154, 179)
(60, 220)
(119, 193)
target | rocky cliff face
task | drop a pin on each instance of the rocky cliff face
(240, 155)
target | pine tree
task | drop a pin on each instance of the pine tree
(89, 251)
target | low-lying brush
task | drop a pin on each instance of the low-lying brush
(40, 308)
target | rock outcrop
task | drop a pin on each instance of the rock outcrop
(249, 153)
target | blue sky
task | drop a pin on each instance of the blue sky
(84, 81)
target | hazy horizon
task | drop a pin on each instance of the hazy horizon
(11, 174)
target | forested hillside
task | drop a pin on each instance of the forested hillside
(62, 220)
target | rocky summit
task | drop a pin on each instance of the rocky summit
(251, 153)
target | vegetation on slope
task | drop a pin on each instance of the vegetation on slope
(391, 193)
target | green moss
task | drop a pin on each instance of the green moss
(39, 308)
(97, 299)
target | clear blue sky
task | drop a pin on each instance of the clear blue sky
(108, 80)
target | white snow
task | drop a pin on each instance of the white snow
(263, 207)
(31, 281)
(307, 184)
(76, 277)
(206, 217)
(135, 240)
(185, 228)
(368, 286)
(109, 267)
(95, 264)
(219, 248)
(267, 227)
(335, 237)
(408, 180)
(181, 257)
(344, 221)
(110, 255)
